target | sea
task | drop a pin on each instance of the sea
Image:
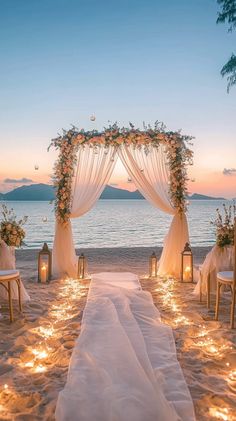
(117, 223)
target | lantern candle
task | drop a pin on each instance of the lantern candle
(153, 266)
(187, 274)
(187, 264)
(44, 264)
(44, 273)
(82, 266)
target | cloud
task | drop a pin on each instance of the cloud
(229, 171)
(17, 180)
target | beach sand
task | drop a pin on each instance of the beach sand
(35, 350)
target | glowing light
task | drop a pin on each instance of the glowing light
(220, 414)
(6, 387)
(40, 354)
(231, 380)
(40, 369)
(47, 331)
(182, 320)
(29, 364)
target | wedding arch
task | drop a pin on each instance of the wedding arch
(155, 159)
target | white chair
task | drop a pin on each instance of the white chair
(227, 278)
(6, 279)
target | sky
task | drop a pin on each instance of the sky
(123, 60)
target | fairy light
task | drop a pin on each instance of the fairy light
(182, 320)
(40, 369)
(29, 364)
(221, 414)
(40, 354)
(69, 291)
(47, 331)
(231, 380)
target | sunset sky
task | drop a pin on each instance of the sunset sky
(126, 60)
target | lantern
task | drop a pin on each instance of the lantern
(153, 266)
(82, 266)
(44, 264)
(187, 264)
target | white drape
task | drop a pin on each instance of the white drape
(8, 262)
(149, 170)
(124, 364)
(219, 259)
(148, 167)
(94, 168)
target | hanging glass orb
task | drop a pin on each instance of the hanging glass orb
(92, 117)
(36, 167)
(45, 219)
(129, 180)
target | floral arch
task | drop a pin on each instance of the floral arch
(154, 158)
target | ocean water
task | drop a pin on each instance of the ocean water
(117, 223)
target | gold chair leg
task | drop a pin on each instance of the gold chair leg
(10, 302)
(19, 293)
(217, 300)
(208, 292)
(232, 309)
(200, 294)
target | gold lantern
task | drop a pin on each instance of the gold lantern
(153, 265)
(187, 264)
(82, 266)
(44, 264)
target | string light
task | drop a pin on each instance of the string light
(231, 380)
(221, 414)
(71, 290)
(40, 369)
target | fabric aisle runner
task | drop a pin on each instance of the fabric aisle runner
(124, 364)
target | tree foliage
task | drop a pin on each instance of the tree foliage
(227, 14)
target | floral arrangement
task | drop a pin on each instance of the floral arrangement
(225, 225)
(11, 230)
(179, 156)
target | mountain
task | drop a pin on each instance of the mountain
(45, 192)
(31, 192)
(114, 193)
(197, 196)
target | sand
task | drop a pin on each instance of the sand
(35, 350)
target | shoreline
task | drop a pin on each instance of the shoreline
(130, 259)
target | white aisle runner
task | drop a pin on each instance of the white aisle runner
(124, 365)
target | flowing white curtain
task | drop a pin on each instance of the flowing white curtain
(149, 170)
(94, 169)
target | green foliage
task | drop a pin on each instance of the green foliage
(228, 15)
(229, 69)
(224, 224)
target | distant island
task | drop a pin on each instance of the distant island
(45, 192)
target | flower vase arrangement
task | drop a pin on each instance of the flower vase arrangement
(224, 224)
(11, 231)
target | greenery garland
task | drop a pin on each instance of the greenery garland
(179, 156)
